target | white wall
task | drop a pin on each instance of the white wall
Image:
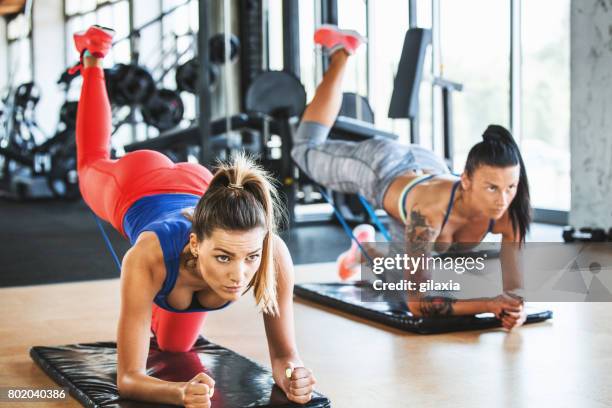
(48, 40)
(591, 113)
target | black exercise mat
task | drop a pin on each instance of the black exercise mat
(347, 298)
(90, 371)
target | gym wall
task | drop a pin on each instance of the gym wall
(591, 113)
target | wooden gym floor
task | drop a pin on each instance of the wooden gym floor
(564, 362)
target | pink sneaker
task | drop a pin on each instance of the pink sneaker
(96, 39)
(348, 261)
(333, 39)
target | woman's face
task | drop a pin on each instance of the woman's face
(492, 189)
(227, 260)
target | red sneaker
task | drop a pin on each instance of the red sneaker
(97, 40)
(348, 262)
(332, 38)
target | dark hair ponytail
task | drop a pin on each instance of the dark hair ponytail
(499, 149)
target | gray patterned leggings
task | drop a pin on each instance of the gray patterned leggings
(366, 167)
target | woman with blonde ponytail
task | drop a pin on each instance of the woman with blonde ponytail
(199, 242)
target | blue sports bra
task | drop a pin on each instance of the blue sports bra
(163, 215)
(420, 179)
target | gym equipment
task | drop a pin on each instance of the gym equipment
(353, 129)
(89, 373)
(349, 107)
(163, 110)
(448, 87)
(586, 234)
(182, 139)
(48, 170)
(66, 77)
(129, 84)
(405, 98)
(251, 33)
(346, 297)
(280, 96)
(186, 76)
(21, 131)
(277, 94)
(133, 85)
(216, 45)
(34, 165)
(68, 114)
(189, 137)
(26, 95)
(62, 177)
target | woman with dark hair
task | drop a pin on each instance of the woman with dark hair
(199, 242)
(432, 207)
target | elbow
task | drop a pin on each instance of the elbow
(125, 383)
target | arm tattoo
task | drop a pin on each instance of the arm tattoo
(420, 236)
(436, 306)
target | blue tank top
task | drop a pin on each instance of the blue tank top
(411, 185)
(163, 215)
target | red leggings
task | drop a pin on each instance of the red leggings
(110, 187)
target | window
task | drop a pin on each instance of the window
(352, 14)
(309, 66)
(273, 14)
(110, 13)
(385, 24)
(475, 51)
(19, 36)
(388, 25)
(182, 36)
(175, 21)
(546, 101)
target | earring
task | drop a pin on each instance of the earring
(194, 253)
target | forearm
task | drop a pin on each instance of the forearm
(282, 347)
(280, 329)
(512, 275)
(280, 335)
(441, 306)
(142, 387)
